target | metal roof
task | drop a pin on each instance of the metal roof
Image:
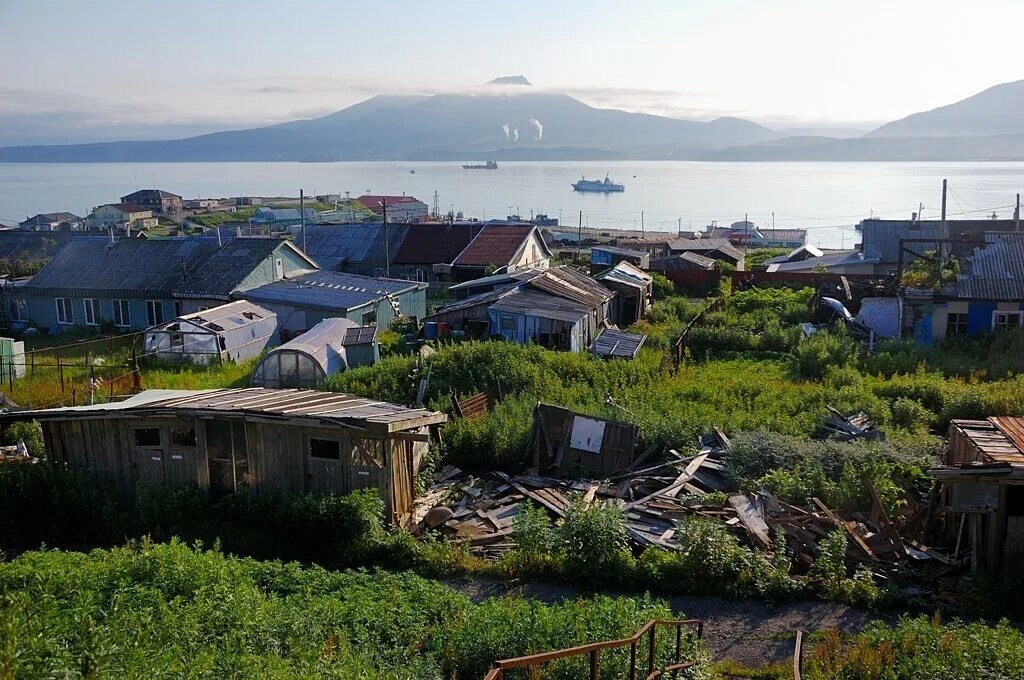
(434, 243)
(535, 303)
(237, 314)
(477, 300)
(697, 244)
(229, 266)
(620, 344)
(626, 274)
(497, 245)
(493, 279)
(995, 271)
(566, 282)
(881, 238)
(282, 215)
(333, 246)
(844, 258)
(685, 260)
(125, 268)
(39, 245)
(333, 291)
(284, 405)
(617, 250)
(148, 194)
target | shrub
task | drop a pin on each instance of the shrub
(531, 533)
(824, 350)
(29, 432)
(594, 543)
(830, 569)
(662, 288)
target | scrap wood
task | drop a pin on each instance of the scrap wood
(523, 490)
(883, 521)
(751, 515)
(857, 539)
(673, 489)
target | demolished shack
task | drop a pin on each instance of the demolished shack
(296, 441)
(983, 488)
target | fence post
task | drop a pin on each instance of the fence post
(593, 664)
(33, 362)
(74, 396)
(679, 640)
(632, 660)
(650, 651)
(60, 369)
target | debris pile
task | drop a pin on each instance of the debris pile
(848, 428)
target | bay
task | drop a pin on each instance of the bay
(826, 198)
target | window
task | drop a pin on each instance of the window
(278, 268)
(18, 310)
(177, 308)
(65, 312)
(146, 437)
(508, 323)
(327, 449)
(1002, 321)
(122, 313)
(378, 272)
(956, 324)
(183, 436)
(154, 312)
(92, 311)
(370, 317)
(421, 275)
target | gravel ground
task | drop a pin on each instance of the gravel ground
(751, 632)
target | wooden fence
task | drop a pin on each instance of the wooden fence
(678, 351)
(592, 650)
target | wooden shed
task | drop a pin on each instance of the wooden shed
(983, 488)
(298, 441)
(574, 441)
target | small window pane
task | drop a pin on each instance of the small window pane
(329, 449)
(181, 436)
(147, 436)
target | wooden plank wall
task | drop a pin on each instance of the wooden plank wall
(554, 429)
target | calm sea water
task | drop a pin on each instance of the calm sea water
(827, 198)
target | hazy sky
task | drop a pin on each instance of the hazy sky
(76, 69)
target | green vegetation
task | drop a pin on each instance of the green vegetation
(757, 256)
(173, 611)
(223, 217)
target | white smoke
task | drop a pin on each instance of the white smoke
(505, 128)
(540, 128)
(515, 134)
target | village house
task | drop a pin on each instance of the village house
(633, 290)
(604, 256)
(201, 204)
(355, 248)
(746, 233)
(260, 440)
(715, 248)
(300, 302)
(987, 295)
(157, 200)
(332, 346)
(559, 308)
(282, 219)
(399, 208)
(427, 249)
(56, 221)
(138, 283)
(501, 248)
(121, 215)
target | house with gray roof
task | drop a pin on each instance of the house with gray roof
(355, 248)
(137, 283)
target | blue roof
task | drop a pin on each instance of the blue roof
(333, 246)
(281, 215)
(328, 290)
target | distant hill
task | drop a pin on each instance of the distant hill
(510, 80)
(520, 124)
(998, 110)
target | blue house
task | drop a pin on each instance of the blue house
(132, 284)
(988, 295)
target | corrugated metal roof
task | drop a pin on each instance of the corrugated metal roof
(995, 271)
(627, 274)
(39, 245)
(264, 215)
(845, 258)
(430, 244)
(496, 245)
(477, 300)
(236, 314)
(566, 282)
(125, 268)
(536, 303)
(620, 344)
(228, 267)
(881, 238)
(697, 244)
(333, 291)
(616, 250)
(684, 261)
(333, 246)
(325, 407)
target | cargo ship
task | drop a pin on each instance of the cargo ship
(489, 165)
(599, 185)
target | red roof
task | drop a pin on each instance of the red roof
(434, 243)
(496, 245)
(373, 201)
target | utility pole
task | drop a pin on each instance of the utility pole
(643, 232)
(679, 228)
(920, 211)
(302, 217)
(387, 247)
(1016, 215)
(944, 185)
(579, 237)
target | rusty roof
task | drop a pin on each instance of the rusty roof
(497, 245)
(434, 243)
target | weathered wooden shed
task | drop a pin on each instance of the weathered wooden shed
(983, 488)
(298, 441)
(574, 441)
(634, 290)
(331, 346)
(235, 331)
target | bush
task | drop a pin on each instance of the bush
(594, 543)
(531, 533)
(824, 350)
(29, 432)
(662, 288)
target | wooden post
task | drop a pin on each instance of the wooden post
(1016, 215)
(579, 237)
(60, 369)
(74, 396)
(798, 655)
(593, 664)
(632, 661)
(650, 651)
(944, 185)
(679, 641)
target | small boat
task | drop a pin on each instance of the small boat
(489, 165)
(412, 172)
(602, 186)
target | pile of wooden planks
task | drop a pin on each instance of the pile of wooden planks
(847, 428)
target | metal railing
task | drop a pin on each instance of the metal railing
(592, 650)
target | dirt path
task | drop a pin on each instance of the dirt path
(751, 632)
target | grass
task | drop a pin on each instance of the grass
(729, 668)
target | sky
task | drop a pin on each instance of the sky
(97, 70)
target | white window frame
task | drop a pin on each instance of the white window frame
(122, 313)
(1000, 319)
(153, 318)
(93, 311)
(18, 309)
(65, 311)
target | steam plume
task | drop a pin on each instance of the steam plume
(540, 128)
(505, 128)
(515, 134)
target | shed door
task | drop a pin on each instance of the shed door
(148, 453)
(227, 454)
(368, 464)
(327, 457)
(180, 462)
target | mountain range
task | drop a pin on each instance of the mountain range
(511, 122)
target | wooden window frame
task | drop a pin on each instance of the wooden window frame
(66, 309)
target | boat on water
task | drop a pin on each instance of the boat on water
(599, 185)
(489, 165)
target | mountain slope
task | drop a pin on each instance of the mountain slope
(424, 127)
(998, 110)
